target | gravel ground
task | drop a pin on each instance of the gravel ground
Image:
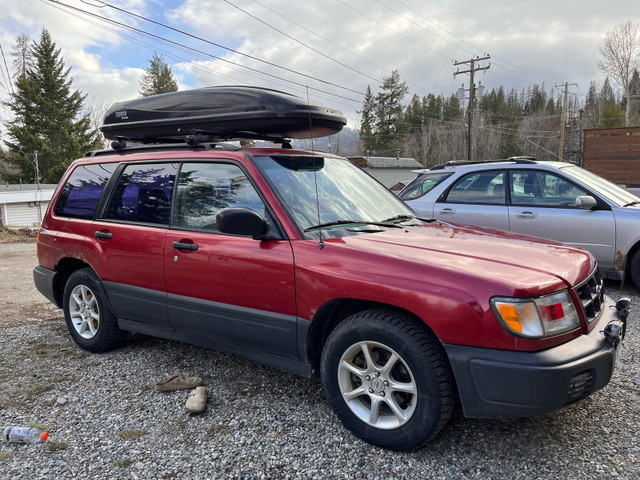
(107, 421)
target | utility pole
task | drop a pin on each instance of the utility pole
(472, 91)
(563, 120)
(38, 192)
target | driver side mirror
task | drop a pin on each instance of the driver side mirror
(244, 221)
(586, 202)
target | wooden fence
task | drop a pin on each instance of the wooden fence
(613, 153)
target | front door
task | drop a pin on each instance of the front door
(543, 205)
(227, 288)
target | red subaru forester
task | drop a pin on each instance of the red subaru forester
(301, 261)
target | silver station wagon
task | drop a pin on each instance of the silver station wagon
(554, 200)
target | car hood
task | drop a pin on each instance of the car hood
(520, 264)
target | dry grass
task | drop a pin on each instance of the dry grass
(9, 235)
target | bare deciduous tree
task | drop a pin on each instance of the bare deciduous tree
(620, 53)
(22, 55)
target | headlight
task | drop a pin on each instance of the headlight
(536, 317)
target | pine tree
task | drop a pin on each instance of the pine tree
(389, 114)
(157, 78)
(366, 124)
(47, 117)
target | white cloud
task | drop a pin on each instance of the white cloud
(530, 42)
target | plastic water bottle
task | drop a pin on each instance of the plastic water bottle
(20, 434)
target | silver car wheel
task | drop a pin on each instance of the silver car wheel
(84, 311)
(377, 385)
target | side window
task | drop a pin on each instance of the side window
(423, 184)
(143, 194)
(479, 187)
(206, 188)
(543, 189)
(80, 195)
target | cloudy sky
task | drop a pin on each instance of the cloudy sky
(332, 49)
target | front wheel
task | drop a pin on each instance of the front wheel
(634, 266)
(89, 319)
(388, 379)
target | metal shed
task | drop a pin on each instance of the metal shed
(24, 205)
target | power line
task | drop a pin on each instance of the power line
(499, 60)
(190, 35)
(328, 40)
(421, 26)
(392, 30)
(8, 79)
(302, 43)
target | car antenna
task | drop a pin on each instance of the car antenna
(315, 172)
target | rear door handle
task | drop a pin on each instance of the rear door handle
(188, 247)
(103, 235)
(448, 211)
(527, 215)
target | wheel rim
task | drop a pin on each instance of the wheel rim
(377, 385)
(84, 312)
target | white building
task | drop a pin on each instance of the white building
(389, 171)
(24, 205)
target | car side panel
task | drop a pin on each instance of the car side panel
(233, 289)
(132, 257)
(593, 230)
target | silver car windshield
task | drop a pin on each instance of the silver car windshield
(610, 191)
(332, 193)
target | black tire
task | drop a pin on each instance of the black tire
(634, 267)
(419, 383)
(89, 319)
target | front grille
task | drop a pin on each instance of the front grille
(580, 386)
(591, 293)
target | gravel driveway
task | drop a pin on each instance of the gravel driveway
(107, 421)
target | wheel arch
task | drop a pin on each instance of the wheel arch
(334, 312)
(64, 269)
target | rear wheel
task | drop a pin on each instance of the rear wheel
(388, 379)
(89, 319)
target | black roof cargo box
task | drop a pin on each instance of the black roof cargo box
(224, 112)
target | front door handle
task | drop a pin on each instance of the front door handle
(103, 235)
(529, 215)
(188, 247)
(447, 211)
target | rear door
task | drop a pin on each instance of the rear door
(543, 205)
(228, 288)
(126, 242)
(477, 198)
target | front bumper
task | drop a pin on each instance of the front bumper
(500, 383)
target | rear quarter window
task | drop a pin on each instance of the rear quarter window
(80, 195)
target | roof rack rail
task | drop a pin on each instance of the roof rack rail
(121, 146)
(462, 163)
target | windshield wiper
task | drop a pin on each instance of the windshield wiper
(631, 204)
(352, 222)
(402, 218)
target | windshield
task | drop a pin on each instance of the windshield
(422, 184)
(609, 190)
(349, 200)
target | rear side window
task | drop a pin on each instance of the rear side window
(80, 195)
(486, 187)
(143, 194)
